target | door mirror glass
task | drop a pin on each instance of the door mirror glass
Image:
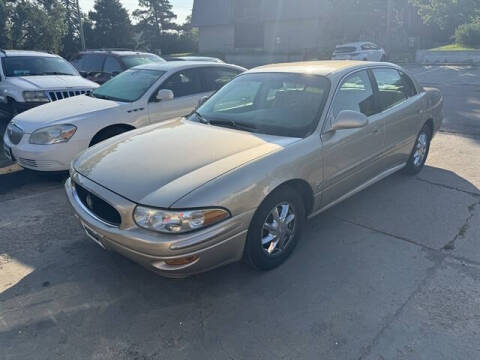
(348, 119)
(164, 95)
(202, 101)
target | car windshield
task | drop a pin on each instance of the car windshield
(141, 59)
(129, 86)
(36, 65)
(281, 104)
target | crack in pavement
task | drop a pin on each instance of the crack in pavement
(476, 195)
(464, 228)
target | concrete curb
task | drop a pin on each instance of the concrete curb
(428, 57)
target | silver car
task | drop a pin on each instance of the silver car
(239, 177)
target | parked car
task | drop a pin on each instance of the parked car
(365, 51)
(195, 58)
(239, 177)
(101, 65)
(30, 78)
(47, 138)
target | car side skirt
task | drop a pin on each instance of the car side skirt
(359, 188)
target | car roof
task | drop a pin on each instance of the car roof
(358, 43)
(324, 68)
(25, 53)
(178, 65)
(116, 52)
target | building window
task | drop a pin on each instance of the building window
(249, 36)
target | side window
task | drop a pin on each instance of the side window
(355, 94)
(112, 65)
(183, 83)
(392, 89)
(215, 78)
(411, 90)
(92, 63)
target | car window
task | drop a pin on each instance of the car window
(111, 65)
(272, 103)
(92, 63)
(355, 94)
(36, 66)
(141, 59)
(392, 89)
(345, 49)
(76, 61)
(215, 77)
(410, 88)
(183, 83)
(129, 86)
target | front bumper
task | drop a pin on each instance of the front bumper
(56, 157)
(214, 246)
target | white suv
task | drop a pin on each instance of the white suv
(49, 137)
(363, 51)
(30, 78)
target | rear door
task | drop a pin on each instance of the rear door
(401, 107)
(351, 156)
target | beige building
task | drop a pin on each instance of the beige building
(268, 25)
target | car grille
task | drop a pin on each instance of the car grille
(98, 207)
(55, 95)
(15, 134)
(43, 164)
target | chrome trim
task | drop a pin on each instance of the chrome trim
(60, 94)
(87, 210)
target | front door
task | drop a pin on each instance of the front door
(352, 155)
(187, 90)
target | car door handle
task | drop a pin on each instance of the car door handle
(375, 130)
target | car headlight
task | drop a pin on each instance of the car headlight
(52, 134)
(35, 96)
(177, 222)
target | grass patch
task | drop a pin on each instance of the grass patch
(453, 47)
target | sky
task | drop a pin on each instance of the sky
(182, 8)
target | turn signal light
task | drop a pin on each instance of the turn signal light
(181, 261)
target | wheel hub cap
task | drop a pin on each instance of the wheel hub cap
(420, 150)
(278, 228)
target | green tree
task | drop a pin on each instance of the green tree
(154, 17)
(111, 26)
(447, 15)
(37, 25)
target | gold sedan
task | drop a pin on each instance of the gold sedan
(240, 176)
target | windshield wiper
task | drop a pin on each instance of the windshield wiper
(232, 124)
(200, 117)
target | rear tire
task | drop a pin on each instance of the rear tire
(420, 152)
(275, 229)
(107, 134)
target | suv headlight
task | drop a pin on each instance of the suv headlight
(177, 222)
(35, 96)
(52, 134)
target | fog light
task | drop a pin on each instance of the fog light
(181, 261)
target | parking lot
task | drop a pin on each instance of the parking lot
(392, 273)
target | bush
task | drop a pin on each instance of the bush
(468, 34)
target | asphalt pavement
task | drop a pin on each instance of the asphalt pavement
(392, 273)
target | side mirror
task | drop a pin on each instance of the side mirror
(83, 74)
(348, 119)
(164, 95)
(202, 101)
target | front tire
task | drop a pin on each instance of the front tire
(275, 229)
(107, 134)
(420, 152)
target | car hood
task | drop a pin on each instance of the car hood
(52, 82)
(157, 165)
(63, 111)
